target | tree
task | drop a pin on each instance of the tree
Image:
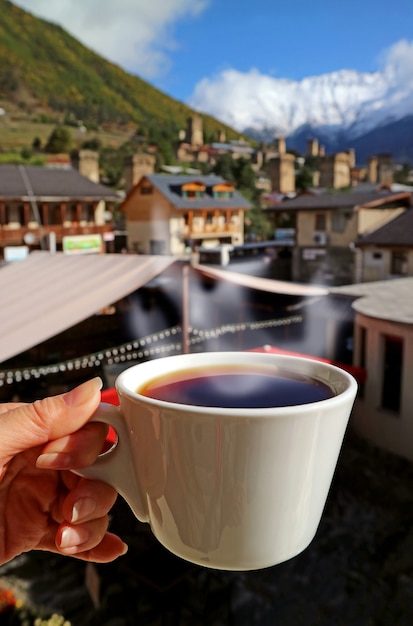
(92, 144)
(224, 167)
(402, 174)
(257, 226)
(60, 140)
(37, 144)
(245, 176)
(165, 153)
(304, 178)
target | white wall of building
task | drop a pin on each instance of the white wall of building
(391, 430)
(143, 234)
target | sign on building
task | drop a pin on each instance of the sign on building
(82, 244)
(15, 253)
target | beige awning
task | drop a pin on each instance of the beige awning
(262, 284)
(45, 294)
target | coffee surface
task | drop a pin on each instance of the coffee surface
(236, 388)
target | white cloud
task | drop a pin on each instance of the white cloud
(136, 34)
(342, 99)
(240, 99)
(397, 63)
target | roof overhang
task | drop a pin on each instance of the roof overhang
(262, 284)
(46, 293)
(395, 197)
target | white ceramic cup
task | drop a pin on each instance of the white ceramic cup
(232, 489)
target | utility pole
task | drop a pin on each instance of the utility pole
(185, 308)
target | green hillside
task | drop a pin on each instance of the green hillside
(43, 68)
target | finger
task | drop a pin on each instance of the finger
(35, 424)
(80, 449)
(9, 406)
(110, 548)
(89, 500)
(73, 539)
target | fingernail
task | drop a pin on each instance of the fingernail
(53, 460)
(83, 392)
(73, 537)
(82, 509)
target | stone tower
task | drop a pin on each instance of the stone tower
(281, 170)
(384, 169)
(135, 167)
(86, 162)
(194, 131)
(352, 157)
(279, 143)
(372, 174)
(312, 149)
(335, 170)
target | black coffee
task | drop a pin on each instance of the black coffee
(236, 387)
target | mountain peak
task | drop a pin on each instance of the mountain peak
(345, 102)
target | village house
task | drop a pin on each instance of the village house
(388, 251)
(383, 347)
(36, 202)
(168, 214)
(325, 226)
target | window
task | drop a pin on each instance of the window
(398, 263)
(194, 189)
(222, 194)
(286, 220)
(339, 221)
(362, 356)
(88, 212)
(320, 221)
(71, 213)
(192, 193)
(55, 214)
(157, 246)
(392, 372)
(15, 214)
(146, 190)
(223, 191)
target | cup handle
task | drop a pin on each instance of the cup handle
(116, 467)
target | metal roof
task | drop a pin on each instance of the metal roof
(48, 293)
(262, 284)
(343, 200)
(42, 183)
(398, 232)
(170, 187)
(390, 300)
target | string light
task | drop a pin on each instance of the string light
(141, 349)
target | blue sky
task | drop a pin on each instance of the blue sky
(290, 40)
(177, 44)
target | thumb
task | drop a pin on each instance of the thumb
(35, 424)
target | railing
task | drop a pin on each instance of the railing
(15, 236)
(206, 230)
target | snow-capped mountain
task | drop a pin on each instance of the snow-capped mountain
(344, 99)
(339, 108)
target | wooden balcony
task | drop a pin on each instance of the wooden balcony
(198, 231)
(10, 236)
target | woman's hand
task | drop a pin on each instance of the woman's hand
(44, 506)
